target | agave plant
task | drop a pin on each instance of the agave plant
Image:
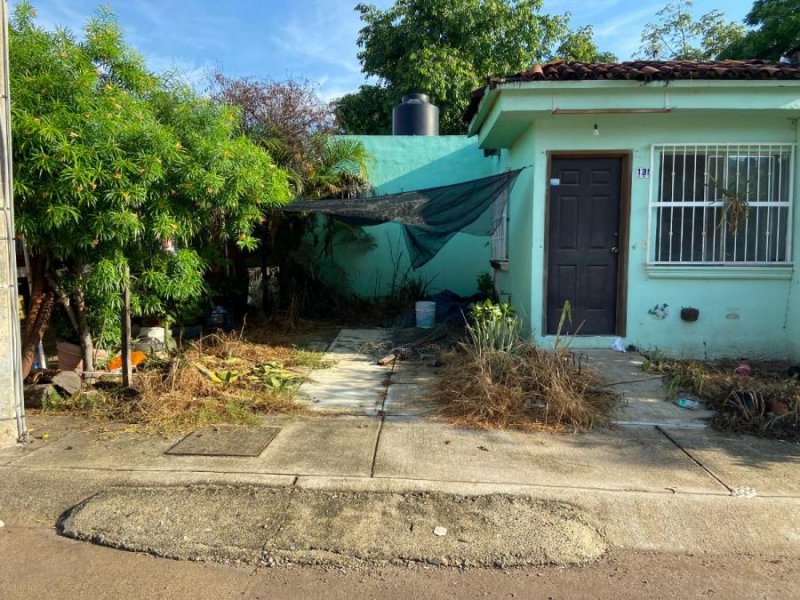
(492, 328)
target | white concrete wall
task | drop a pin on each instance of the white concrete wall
(11, 405)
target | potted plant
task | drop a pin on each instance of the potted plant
(68, 346)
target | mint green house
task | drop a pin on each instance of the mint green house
(658, 198)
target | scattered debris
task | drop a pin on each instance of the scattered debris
(415, 345)
(743, 492)
(137, 358)
(440, 531)
(221, 378)
(618, 345)
(2, 524)
(744, 369)
(690, 401)
(760, 398)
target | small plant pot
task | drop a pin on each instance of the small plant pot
(690, 315)
(70, 357)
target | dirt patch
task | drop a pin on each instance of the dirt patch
(263, 525)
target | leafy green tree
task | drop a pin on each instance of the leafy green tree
(367, 111)
(289, 119)
(579, 45)
(447, 48)
(678, 35)
(775, 30)
(112, 165)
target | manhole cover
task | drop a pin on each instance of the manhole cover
(225, 441)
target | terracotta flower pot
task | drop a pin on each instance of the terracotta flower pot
(70, 357)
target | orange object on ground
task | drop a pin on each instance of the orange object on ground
(137, 357)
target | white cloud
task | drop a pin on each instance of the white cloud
(322, 41)
(188, 71)
(626, 24)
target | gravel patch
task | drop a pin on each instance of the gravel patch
(268, 525)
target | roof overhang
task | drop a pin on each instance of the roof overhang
(508, 109)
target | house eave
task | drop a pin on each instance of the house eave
(508, 109)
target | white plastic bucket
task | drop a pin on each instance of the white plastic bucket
(154, 333)
(426, 314)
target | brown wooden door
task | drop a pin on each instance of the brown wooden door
(583, 243)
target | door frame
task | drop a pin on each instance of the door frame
(624, 229)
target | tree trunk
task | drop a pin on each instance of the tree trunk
(39, 312)
(84, 334)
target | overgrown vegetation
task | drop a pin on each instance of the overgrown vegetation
(221, 378)
(122, 177)
(496, 379)
(765, 402)
(291, 121)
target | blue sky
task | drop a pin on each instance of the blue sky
(315, 39)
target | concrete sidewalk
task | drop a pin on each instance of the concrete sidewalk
(670, 487)
(663, 490)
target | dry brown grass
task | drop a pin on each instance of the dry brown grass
(529, 388)
(222, 378)
(765, 403)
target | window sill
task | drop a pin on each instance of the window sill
(499, 265)
(783, 271)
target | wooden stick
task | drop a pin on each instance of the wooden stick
(426, 339)
(127, 370)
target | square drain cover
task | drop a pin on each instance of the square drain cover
(225, 441)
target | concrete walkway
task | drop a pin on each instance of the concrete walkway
(356, 385)
(643, 400)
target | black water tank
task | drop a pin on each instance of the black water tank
(415, 115)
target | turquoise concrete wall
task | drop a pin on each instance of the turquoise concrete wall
(743, 312)
(514, 284)
(404, 163)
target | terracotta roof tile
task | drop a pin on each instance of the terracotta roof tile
(641, 71)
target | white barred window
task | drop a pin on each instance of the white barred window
(500, 229)
(721, 204)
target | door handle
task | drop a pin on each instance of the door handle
(614, 250)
